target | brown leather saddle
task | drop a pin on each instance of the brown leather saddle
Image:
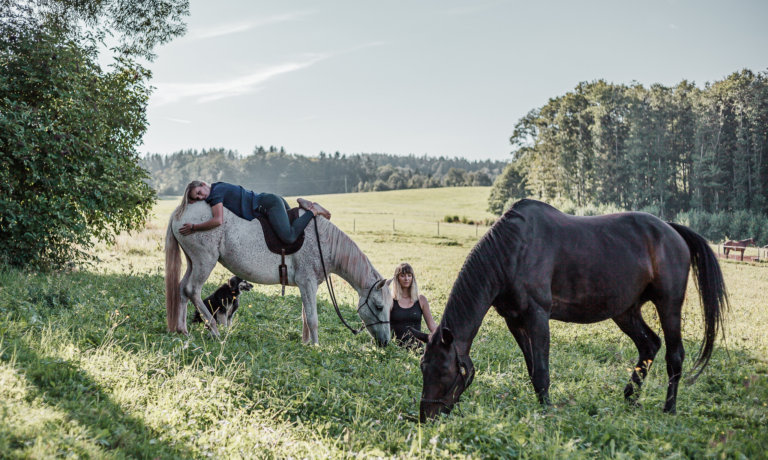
(277, 246)
(274, 243)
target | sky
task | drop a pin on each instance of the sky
(430, 77)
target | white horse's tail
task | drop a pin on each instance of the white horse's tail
(172, 270)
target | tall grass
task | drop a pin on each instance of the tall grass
(88, 370)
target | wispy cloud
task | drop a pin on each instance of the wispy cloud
(167, 93)
(243, 26)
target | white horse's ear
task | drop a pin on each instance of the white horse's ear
(389, 281)
(381, 284)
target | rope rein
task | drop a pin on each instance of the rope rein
(332, 294)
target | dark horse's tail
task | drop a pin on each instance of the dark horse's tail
(712, 293)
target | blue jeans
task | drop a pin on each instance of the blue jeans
(276, 209)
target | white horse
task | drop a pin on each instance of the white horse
(239, 246)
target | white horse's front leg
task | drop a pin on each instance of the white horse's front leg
(309, 312)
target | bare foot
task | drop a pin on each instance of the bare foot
(305, 204)
(321, 211)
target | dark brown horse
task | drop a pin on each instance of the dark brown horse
(737, 246)
(537, 264)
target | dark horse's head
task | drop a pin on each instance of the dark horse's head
(446, 374)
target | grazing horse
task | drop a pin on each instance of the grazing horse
(537, 264)
(738, 246)
(239, 246)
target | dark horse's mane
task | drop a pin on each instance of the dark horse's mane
(484, 266)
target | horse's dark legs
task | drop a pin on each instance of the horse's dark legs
(532, 335)
(669, 313)
(647, 343)
(523, 342)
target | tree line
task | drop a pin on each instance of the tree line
(665, 150)
(272, 169)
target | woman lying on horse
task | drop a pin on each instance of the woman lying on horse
(247, 205)
(232, 239)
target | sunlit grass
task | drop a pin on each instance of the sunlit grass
(87, 368)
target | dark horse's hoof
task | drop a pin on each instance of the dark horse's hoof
(670, 410)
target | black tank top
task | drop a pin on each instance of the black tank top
(401, 318)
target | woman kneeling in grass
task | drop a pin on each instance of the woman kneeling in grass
(408, 307)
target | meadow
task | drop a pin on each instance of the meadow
(87, 368)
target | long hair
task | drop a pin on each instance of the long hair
(185, 199)
(397, 290)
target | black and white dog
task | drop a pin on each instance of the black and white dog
(223, 303)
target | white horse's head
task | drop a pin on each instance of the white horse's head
(373, 309)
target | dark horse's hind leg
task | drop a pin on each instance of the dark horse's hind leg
(669, 313)
(647, 343)
(532, 335)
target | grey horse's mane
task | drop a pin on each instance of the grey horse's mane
(346, 255)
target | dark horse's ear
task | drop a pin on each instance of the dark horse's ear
(447, 336)
(422, 336)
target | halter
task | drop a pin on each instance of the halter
(466, 373)
(333, 294)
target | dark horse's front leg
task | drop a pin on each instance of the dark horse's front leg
(531, 331)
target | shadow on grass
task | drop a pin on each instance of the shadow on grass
(67, 388)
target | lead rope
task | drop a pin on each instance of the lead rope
(330, 284)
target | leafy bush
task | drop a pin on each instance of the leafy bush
(68, 133)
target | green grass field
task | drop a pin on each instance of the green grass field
(87, 368)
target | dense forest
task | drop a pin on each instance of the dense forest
(668, 149)
(272, 169)
(696, 154)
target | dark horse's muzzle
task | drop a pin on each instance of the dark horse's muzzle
(430, 408)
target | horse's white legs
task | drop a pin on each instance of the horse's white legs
(192, 289)
(308, 291)
(182, 321)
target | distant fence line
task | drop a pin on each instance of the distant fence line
(424, 227)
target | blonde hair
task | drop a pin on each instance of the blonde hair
(397, 290)
(185, 199)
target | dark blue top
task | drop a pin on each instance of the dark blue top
(244, 203)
